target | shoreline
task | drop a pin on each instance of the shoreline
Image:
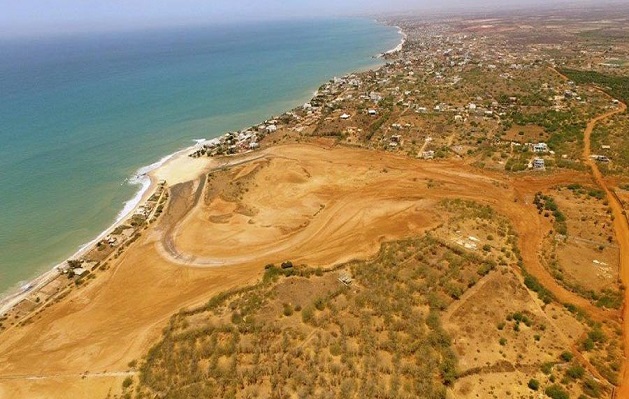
(400, 46)
(147, 177)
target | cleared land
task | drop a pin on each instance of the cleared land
(117, 317)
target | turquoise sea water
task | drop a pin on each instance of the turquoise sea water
(79, 115)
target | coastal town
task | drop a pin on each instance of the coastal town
(464, 202)
(461, 90)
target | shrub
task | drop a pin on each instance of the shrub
(566, 356)
(533, 384)
(307, 314)
(127, 382)
(534, 285)
(588, 345)
(556, 392)
(320, 304)
(575, 371)
(597, 335)
(288, 310)
(547, 368)
(591, 388)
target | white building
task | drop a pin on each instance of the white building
(540, 147)
(538, 163)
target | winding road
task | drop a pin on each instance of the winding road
(621, 228)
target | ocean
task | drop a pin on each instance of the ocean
(80, 115)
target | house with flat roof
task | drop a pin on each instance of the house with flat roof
(539, 147)
(539, 164)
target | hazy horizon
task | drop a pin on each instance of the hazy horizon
(30, 18)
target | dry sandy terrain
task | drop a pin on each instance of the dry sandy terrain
(304, 203)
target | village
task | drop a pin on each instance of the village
(454, 90)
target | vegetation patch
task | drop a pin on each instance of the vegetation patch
(615, 85)
(311, 333)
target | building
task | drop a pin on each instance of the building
(79, 271)
(540, 147)
(602, 158)
(428, 154)
(538, 164)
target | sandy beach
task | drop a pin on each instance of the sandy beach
(178, 167)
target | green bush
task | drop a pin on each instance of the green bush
(591, 388)
(566, 356)
(575, 372)
(556, 392)
(547, 367)
(307, 314)
(288, 310)
(127, 382)
(533, 384)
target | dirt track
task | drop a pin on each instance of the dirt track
(313, 205)
(621, 229)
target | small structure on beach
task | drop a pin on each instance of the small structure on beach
(79, 271)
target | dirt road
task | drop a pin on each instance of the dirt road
(621, 229)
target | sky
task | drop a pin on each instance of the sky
(46, 17)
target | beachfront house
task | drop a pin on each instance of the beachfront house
(79, 271)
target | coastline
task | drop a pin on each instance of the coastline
(148, 177)
(400, 46)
